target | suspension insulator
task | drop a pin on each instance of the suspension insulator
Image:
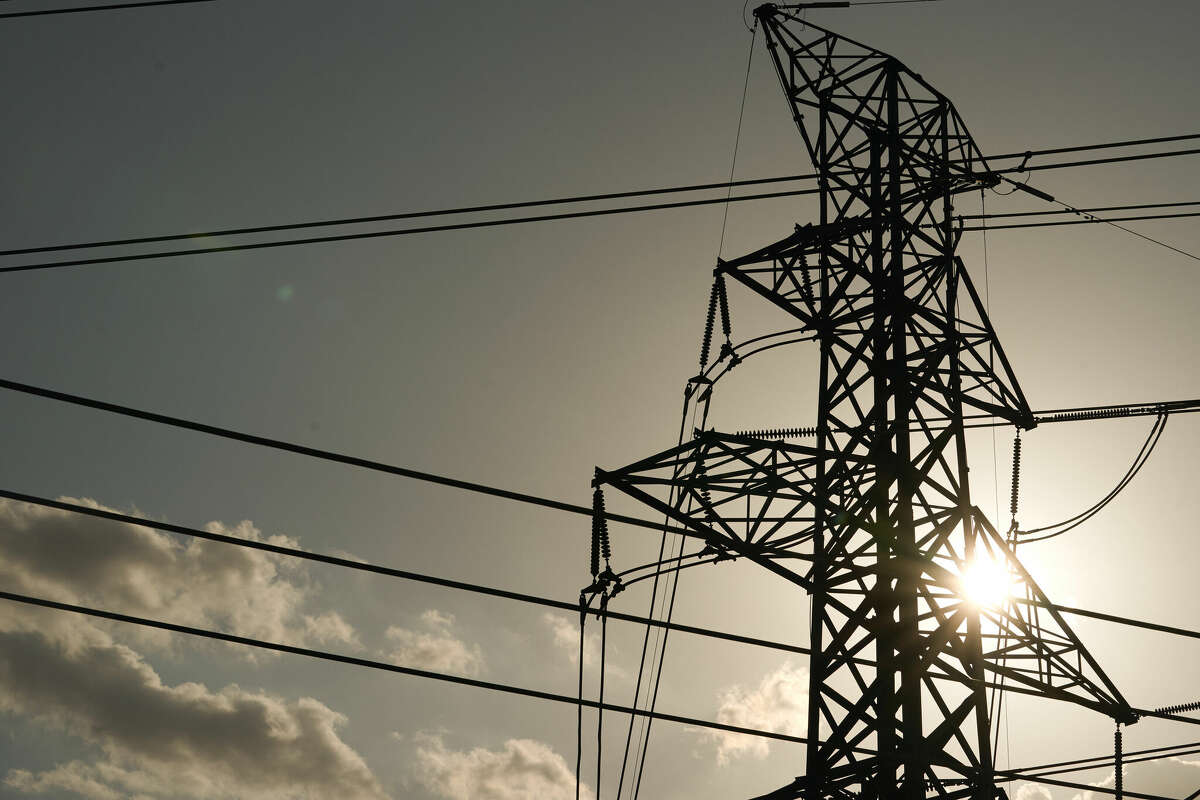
(723, 301)
(778, 433)
(1016, 474)
(700, 478)
(1118, 765)
(806, 290)
(600, 528)
(709, 514)
(605, 546)
(594, 562)
(1178, 709)
(706, 342)
(1104, 413)
(597, 528)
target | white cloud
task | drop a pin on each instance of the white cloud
(1106, 783)
(566, 638)
(523, 769)
(1032, 791)
(80, 559)
(1168, 777)
(329, 627)
(161, 741)
(436, 648)
(779, 704)
(436, 619)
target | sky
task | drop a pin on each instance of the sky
(523, 357)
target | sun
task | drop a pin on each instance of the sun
(985, 582)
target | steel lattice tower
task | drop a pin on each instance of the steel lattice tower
(874, 517)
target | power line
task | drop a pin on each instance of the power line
(326, 455)
(1151, 239)
(888, 2)
(1101, 146)
(1060, 528)
(1095, 161)
(588, 198)
(110, 7)
(307, 555)
(345, 237)
(1080, 221)
(736, 141)
(1109, 221)
(505, 688)
(498, 207)
(473, 225)
(1097, 209)
(439, 676)
(1162, 751)
(1106, 761)
(1136, 623)
(380, 665)
(1073, 414)
(391, 572)
(1074, 785)
(377, 466)
(1076, 413)
(579, 701)
(1064, 414)
(1024, 186)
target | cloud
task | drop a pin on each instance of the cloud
(329, 627)
(79, 559)
(155, 740)
(76, 777)
(566, 638)
(161, 741)
(1171, 777)
(779, 703)
(1168, 777)
(1106, 783)
(1032, 791)
(436, 648)
(523, 769)
(436, 619)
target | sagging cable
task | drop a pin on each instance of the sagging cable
(1059, 528)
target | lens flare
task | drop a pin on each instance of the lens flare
(986, 583)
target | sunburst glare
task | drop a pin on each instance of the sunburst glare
(986, 582)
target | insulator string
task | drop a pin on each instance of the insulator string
(1118, 766)
(706, 342)
(1178, 709)
(1016, 478)
(778, 433)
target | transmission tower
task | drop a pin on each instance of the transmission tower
(869, 511)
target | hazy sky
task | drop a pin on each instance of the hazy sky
(519, 356)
